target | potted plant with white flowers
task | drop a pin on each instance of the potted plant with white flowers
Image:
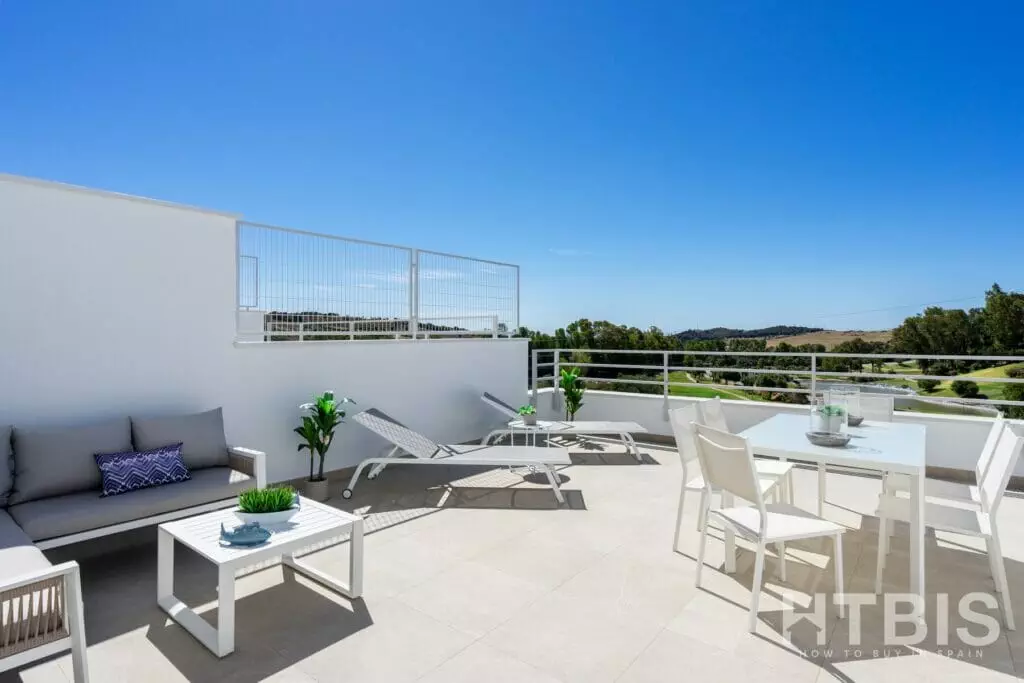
(322, 418)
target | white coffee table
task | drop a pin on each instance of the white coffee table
(315, 523)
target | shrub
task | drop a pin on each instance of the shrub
(273, 499)
(1015, 373)
(965, 388)
(928, 385)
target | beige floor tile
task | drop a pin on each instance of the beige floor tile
(545, 562)
(401, 644)
(577, 639)
(480, 662)
(472, 597)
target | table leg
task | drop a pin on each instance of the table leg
(730, 537)
(225, 610)
(917, 528)
(164, 565)
(355, 560)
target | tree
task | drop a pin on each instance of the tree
(1013, 392)
(1004, 319)
(964, 388)
(928, 385)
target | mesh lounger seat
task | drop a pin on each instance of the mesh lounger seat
(623, 430)
(423, 451)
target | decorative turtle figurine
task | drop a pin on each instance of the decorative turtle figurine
(248, 534)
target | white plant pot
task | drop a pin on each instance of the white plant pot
(830, 424)
(266, 519)
(529, 420)
(316, 490)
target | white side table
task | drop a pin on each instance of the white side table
(315, 523)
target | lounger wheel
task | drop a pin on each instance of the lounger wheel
(346, 494)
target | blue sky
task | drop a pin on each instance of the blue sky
(680, 163)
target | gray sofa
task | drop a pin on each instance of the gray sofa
(50, 490)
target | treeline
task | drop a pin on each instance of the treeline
(995, 329)
(731, 333)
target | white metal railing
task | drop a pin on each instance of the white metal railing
(294, 285)
(812, 375)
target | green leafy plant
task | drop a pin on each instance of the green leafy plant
(527, 410)
(317, 429)
(832, 410)
(273, 499)
(572, 390)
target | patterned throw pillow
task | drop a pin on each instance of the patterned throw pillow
(124, 472)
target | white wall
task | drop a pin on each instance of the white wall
(115, 305)
(953, 440)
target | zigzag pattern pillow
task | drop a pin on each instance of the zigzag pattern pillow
(124, 472)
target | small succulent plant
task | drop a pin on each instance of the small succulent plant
(527, 410)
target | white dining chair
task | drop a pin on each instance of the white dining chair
(874, 408)
(712, 414)
(899, 484)
(977, 522)
(776, 477)
(727, 462)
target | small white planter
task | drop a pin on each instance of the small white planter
(529, 420)
(316, 490)
(829, 424)
(266, 518)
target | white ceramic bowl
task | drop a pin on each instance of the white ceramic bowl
(266, 518)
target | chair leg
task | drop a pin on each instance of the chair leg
(837, 542)
(755, 588)
(821, 490)
(883, 549)
(992, 565)
(1000, 579)
(703, 538)
(705, 505)
(679, 517)
(781, 549)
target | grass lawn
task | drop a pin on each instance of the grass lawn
(993, 390)
(710, 392)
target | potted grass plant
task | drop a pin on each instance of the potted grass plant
(272, 505)
(322, 418)
(828, 418)
(572, 391)
(528, 414)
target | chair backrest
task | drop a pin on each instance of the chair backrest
(682, 420)
(985, 459)
(498, 404)
(713, 414)
(876, 407)
(1004, 459)
(728, 465)
(397, 433)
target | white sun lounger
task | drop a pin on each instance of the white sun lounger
(623, 430)
(426, 452)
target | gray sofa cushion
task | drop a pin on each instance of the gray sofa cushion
(57, 461)
(63, 515)
(6, 465)
(17, 554)
(201, 436)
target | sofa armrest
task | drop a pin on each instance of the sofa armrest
(249, 461)
(56, 590)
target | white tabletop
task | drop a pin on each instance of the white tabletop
(202, 532)
(883, 446)
(582, 427)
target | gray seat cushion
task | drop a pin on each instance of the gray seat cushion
(64, 515)
(53, 462)
(6, 465)
(17, 554)
(201, 436)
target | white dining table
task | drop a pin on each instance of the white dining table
(882, 447)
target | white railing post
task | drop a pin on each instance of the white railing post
(664, 383)
(414, 292)
(814, 376)
(302, 331)
(533, 378)
(494, 327)
(554, 385)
